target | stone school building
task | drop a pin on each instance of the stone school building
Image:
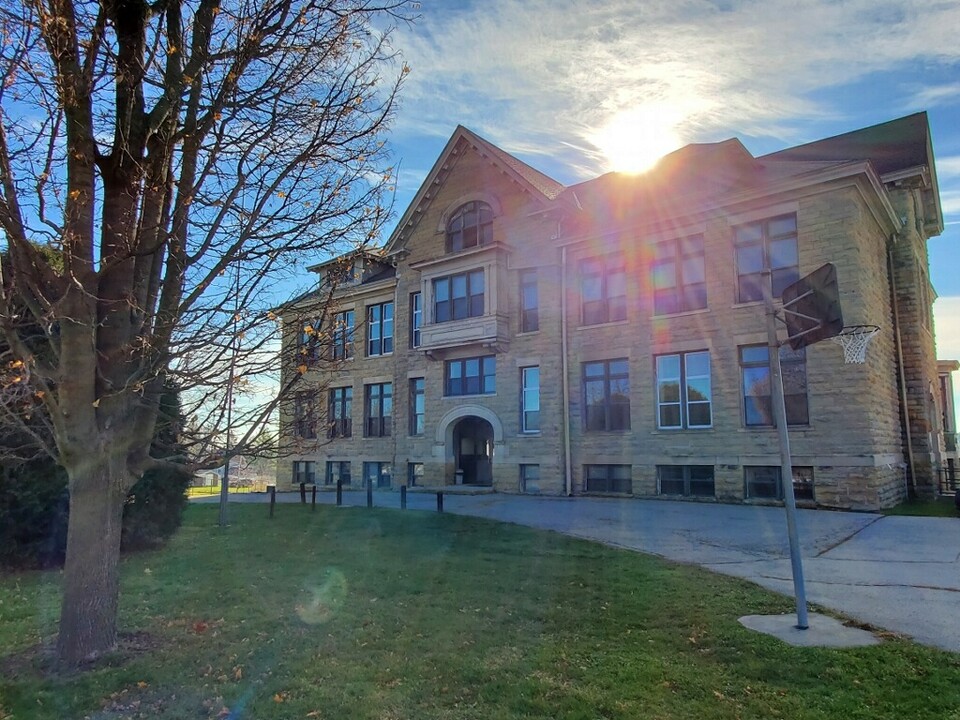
(609, 337)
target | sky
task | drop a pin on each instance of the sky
(576, 88)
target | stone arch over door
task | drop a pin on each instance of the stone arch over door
(444, 438)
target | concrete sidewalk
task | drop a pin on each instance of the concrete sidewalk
(897, 573)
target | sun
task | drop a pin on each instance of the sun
(633, 140)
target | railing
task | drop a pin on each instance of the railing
(206, 490)
(948, 480)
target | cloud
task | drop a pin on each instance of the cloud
(948, 167)
(950, 201)
(549, 74)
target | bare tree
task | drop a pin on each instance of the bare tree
(182, 159)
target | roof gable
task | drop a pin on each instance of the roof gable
(540, 186)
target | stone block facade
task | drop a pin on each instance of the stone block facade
(607, 338)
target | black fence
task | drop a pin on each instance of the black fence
(948, 480)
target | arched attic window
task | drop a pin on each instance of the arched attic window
(470, 226)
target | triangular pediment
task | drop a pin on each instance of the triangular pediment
(542, 189)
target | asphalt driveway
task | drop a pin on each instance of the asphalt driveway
(897, 573)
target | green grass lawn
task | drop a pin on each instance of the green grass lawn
(353, 613)
(939, 507)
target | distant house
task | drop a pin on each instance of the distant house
(608, 337)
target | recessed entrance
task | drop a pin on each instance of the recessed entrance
(473, 450)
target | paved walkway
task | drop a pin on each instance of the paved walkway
(897, 573)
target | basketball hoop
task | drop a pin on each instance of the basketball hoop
(854, 341)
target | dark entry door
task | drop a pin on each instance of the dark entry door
(473, 449)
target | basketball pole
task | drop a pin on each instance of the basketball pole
(786, 464)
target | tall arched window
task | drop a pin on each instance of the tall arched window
(470, 226)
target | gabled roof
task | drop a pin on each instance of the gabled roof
(540, 186)
(891, 146)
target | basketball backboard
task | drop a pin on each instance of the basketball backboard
(811, 308)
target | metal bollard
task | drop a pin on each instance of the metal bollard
(339, 492)
(403, 497)
(303, 493)
(313, 499)
(439, 502)
(369, 492)
(272, 489)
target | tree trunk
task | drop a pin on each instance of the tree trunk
(88, 617)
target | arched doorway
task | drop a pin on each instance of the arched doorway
(473, 450)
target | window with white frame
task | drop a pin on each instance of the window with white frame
(679, 276)
(684, 391)
(530, 399)
(380, 329)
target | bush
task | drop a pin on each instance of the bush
(154, 508)
(34, 510)
(34, 506)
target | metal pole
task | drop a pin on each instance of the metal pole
(786, 465)
(303, 493)
(225, 487)
(339, 492)
(369, 492)
(313, 498)
(439, 502)
(403, 497)
(273, 497)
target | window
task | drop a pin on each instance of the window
(308, 347)
(606, 395)
(378, 410)
(686, 480)
(305, 415)
(414, 474)
(458, 296)
(304, 471)
(766, 245)
(337, 470)
(471, 376)
(755, 369)
(679, 276)
(377, 474)
(530, 399)
(603, 290)
(530, 479)
(683, 390)
(342, 335)
(380, 329)
(417, 406)
(470, 226)
(763, 481)
(340, 412)
(416, 318)
(529, 301)
(607, 478)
